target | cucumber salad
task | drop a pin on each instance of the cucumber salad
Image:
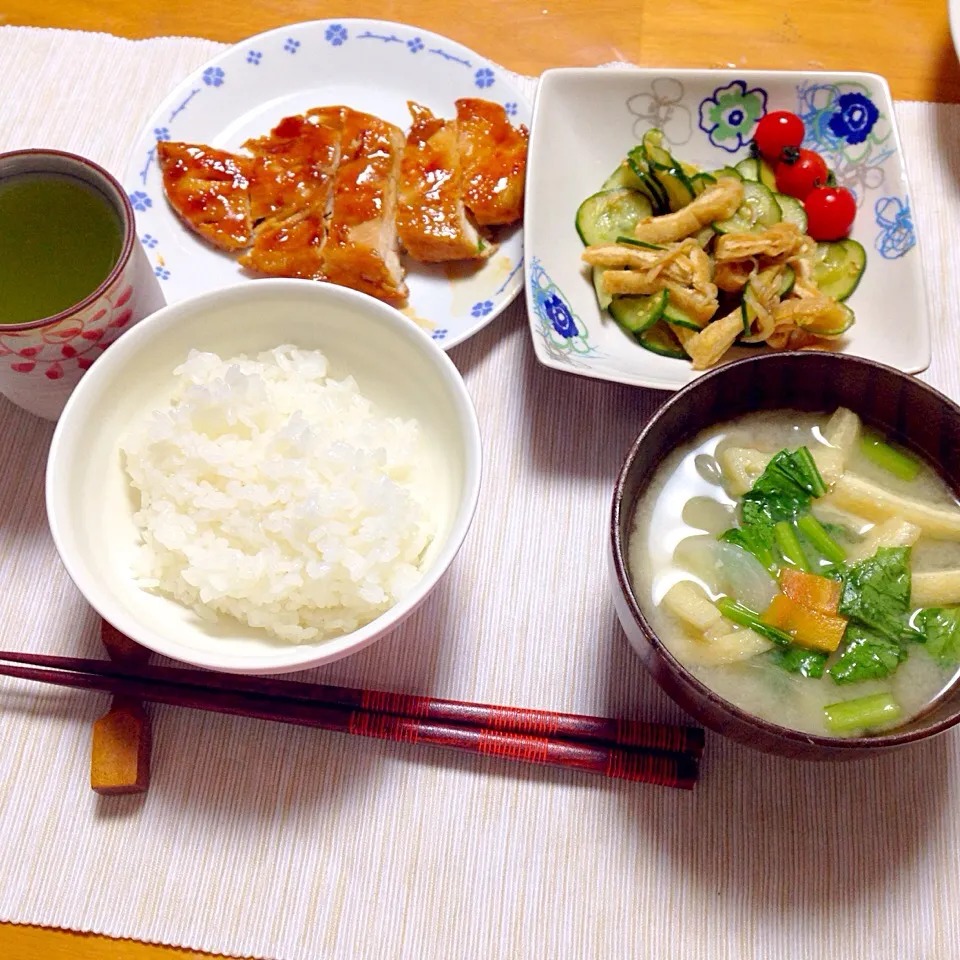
(691, 263)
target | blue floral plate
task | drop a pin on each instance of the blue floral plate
(585, 121)
(371, 65)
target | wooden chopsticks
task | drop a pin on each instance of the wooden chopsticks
(645, 752)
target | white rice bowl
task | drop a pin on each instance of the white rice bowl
(277, 495)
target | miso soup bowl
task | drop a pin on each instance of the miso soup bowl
(897, 404)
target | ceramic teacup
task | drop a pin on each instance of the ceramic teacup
(42, 361)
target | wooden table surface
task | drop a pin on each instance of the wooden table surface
(908, 41)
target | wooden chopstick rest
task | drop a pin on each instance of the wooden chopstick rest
(120, 751)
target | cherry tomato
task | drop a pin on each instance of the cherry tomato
(796, 178)
(778, 130)
(830, 212)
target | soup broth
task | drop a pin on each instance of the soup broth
(679, 536)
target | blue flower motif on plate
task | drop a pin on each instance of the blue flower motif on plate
(511, 108)
(291, 46)
(565, 337)
(855, 117)
(213, 76)
(729, 116)
(149, 241)
(336, 34)
(481, 308)
(162, 272)
(483, 78)
(896, 234)
(559, 315)
(849, 131)
(161, 133)
(140, 200)
(254, 57)
(439, 334)
(415, 45)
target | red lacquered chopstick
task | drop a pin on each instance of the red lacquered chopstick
(666, 769)
(663, 737)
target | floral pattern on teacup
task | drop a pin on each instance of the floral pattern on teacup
(74, 342)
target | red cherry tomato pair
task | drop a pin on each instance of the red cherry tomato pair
(803, 174)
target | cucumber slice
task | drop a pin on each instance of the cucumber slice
(789, 279)
(636, 314)
(767, 177)
(609, 214)
(704, 235)
(657, 157)
(753, 168)
(791, 211)
(835, 331)
(660, 339)
(672, 314)
(679, 190)
(633, 242)
(603, 298)
(623, 176)
(648, 183)
(700, 182)
(727, 172)
(748, 314)
(667, 171)
(758, 211)
(838, 267)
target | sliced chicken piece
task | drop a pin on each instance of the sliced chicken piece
(718, 202)
(781, 240)
(432, 222)
(293, 167)
(289, 248)
(209, 190)
(494, 157)
(361, 249)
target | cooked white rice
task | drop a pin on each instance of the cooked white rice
(277, 495)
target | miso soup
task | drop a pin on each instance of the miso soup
(805, 569)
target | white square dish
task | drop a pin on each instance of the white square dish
(586, 120)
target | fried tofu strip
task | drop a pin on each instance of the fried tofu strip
(432, 222)
(732, 275)
(781, 240)
(714, 340)
(208, 189)
(493, 154)
(361, 249)
(718, 202)
(867, 499)
(819, 311)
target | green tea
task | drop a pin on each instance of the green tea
(59, 240)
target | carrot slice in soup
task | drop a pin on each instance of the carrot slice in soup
(809, 628)
(809, 590)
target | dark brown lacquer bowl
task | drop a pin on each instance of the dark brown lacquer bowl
(899, 405)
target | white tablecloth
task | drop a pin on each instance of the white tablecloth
(259, 839)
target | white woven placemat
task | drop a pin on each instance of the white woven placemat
(278, 842)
